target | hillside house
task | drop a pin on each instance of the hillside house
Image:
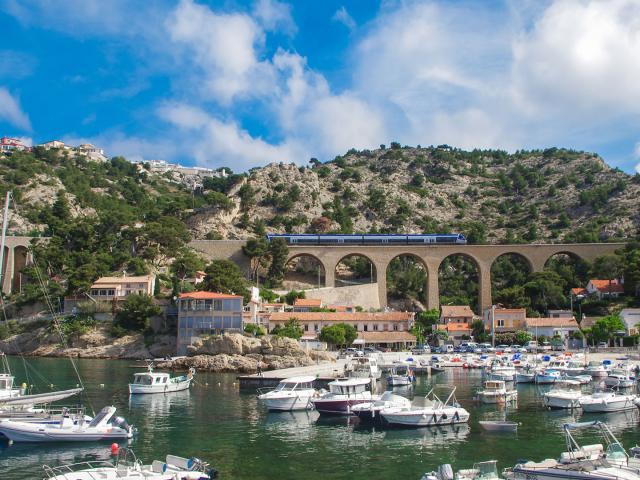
(504, 319)
(551, 327)
(456, 314)
(116, 288)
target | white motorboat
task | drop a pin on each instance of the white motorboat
(292, 393)
(343, 394)
(496, 391)
(154, 382)
(128, 467)
(596, 369)
(370, 411)
(501, 369)
(526, 374)
(547, 376)
(427, 411)
(607, 402)
(104, 426)
(363, 367)
(574, 368)
(581, 379)
(565, 394)
(559, 364)
(480, 471)
(583, 462)
(401, 375)
(620, 377)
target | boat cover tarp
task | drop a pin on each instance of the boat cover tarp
(577, 425)
(40, 397)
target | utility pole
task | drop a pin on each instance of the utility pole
(493, 326)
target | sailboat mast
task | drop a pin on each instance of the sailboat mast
(5, 224)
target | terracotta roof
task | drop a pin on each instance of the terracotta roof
(551, 322)
(510, 310)
(386, 337)
(207, 295)
(307, 302)
(579, 291)
(273, 304)
(343, 316)
(456, 311)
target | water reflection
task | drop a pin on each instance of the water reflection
(155, 405)
(444, 435)
(291, 426)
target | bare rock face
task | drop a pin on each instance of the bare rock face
(229, 344)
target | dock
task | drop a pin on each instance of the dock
(324, 372)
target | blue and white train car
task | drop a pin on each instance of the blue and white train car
(369, 239)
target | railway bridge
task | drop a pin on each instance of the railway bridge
(430, 256)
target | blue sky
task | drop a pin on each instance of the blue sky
(242, 84)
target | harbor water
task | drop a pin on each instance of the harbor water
(218, 423)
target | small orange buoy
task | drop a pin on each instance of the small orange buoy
(114, 448)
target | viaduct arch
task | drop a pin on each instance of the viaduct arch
(16, 256)
(431, 257)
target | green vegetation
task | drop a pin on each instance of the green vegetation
(255, 330)
(338, 335)
(136, 312)
(290, 329)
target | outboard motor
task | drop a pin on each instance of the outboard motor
(120, 422)
(445, 472)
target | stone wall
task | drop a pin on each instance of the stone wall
(365, 295)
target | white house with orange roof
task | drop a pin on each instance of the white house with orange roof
(504, 319)
(306, 304)
(110, 288)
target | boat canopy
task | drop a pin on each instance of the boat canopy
(300, 379)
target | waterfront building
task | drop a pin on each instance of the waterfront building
(551, 327)
(504, 319)
(202, 314)
(456, 314)
(457, 332)
(306, 304)
(389, 329)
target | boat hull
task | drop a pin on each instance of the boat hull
(287, 404)
(337, 407)
(398, 381)
(606, 405)
(560, 402)
(137, 389)
(427, 419)
(491, 398)
(39, 435)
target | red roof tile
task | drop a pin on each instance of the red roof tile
(207, 295)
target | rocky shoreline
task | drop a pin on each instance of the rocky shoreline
(234, 352)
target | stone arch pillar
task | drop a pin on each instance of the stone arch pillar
(329, 272)
(381, 277)
(484, 285)
(433, 288)
(7, 278)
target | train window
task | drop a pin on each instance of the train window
(398, 239)
(443, 240)
(357, 239)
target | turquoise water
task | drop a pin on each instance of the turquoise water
(229, 429)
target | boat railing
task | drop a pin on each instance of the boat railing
(72, 468)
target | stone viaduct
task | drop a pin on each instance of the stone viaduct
(431, 257)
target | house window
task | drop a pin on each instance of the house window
(375, 327)
(306, 327)
(385, 327)
(501, 323)
(355, 325)
(366, 327)
(395, 327)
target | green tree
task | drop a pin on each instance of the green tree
(224, 276)
(186, 263)
(546, 290)
(290, 329)
(340, 334)
(257, 249)
(478, 331)
(278, 251)
(523, 337)
(136, 312)
(605, 328)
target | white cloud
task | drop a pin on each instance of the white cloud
(11, 112)
(274, 15)
(342, 16)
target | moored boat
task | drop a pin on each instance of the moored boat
(369, 412)
(427, 411)
(547, 376)
(496, 391)
(607, 402)
(104, 426)
(155, 382)
(480, 471)
(343, 394)
(292, 393)
(363, 367)
(596, 369)
(400, 375)
(565, 394)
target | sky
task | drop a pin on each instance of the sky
(242, 84)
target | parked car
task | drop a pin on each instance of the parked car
(532, 346)
(504, 349)
(371, 350)
(603, 345)
(545, 347)
(519, 348)
(421, 350)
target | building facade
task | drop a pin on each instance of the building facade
(631, 319)
(201, 314)
(110, 288)
(456, 314)
(551, 327)
(504, 319)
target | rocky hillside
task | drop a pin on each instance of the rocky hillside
(539, 196)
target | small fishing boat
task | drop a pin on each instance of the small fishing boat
(565, 394)
(619, 377)
(499, 426)
(480, 471)
(154, 382)
(596, 369)
(574, 368)
(128, 467)
(369, 412)
(547, 376)
(526, 374)
(606, 401)
(104, 426)
(581, 379)
(292, 393)
(343, 394)
(501, 369)
(401, 375)
(427, 411)
(363, 367)
(495, 391)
